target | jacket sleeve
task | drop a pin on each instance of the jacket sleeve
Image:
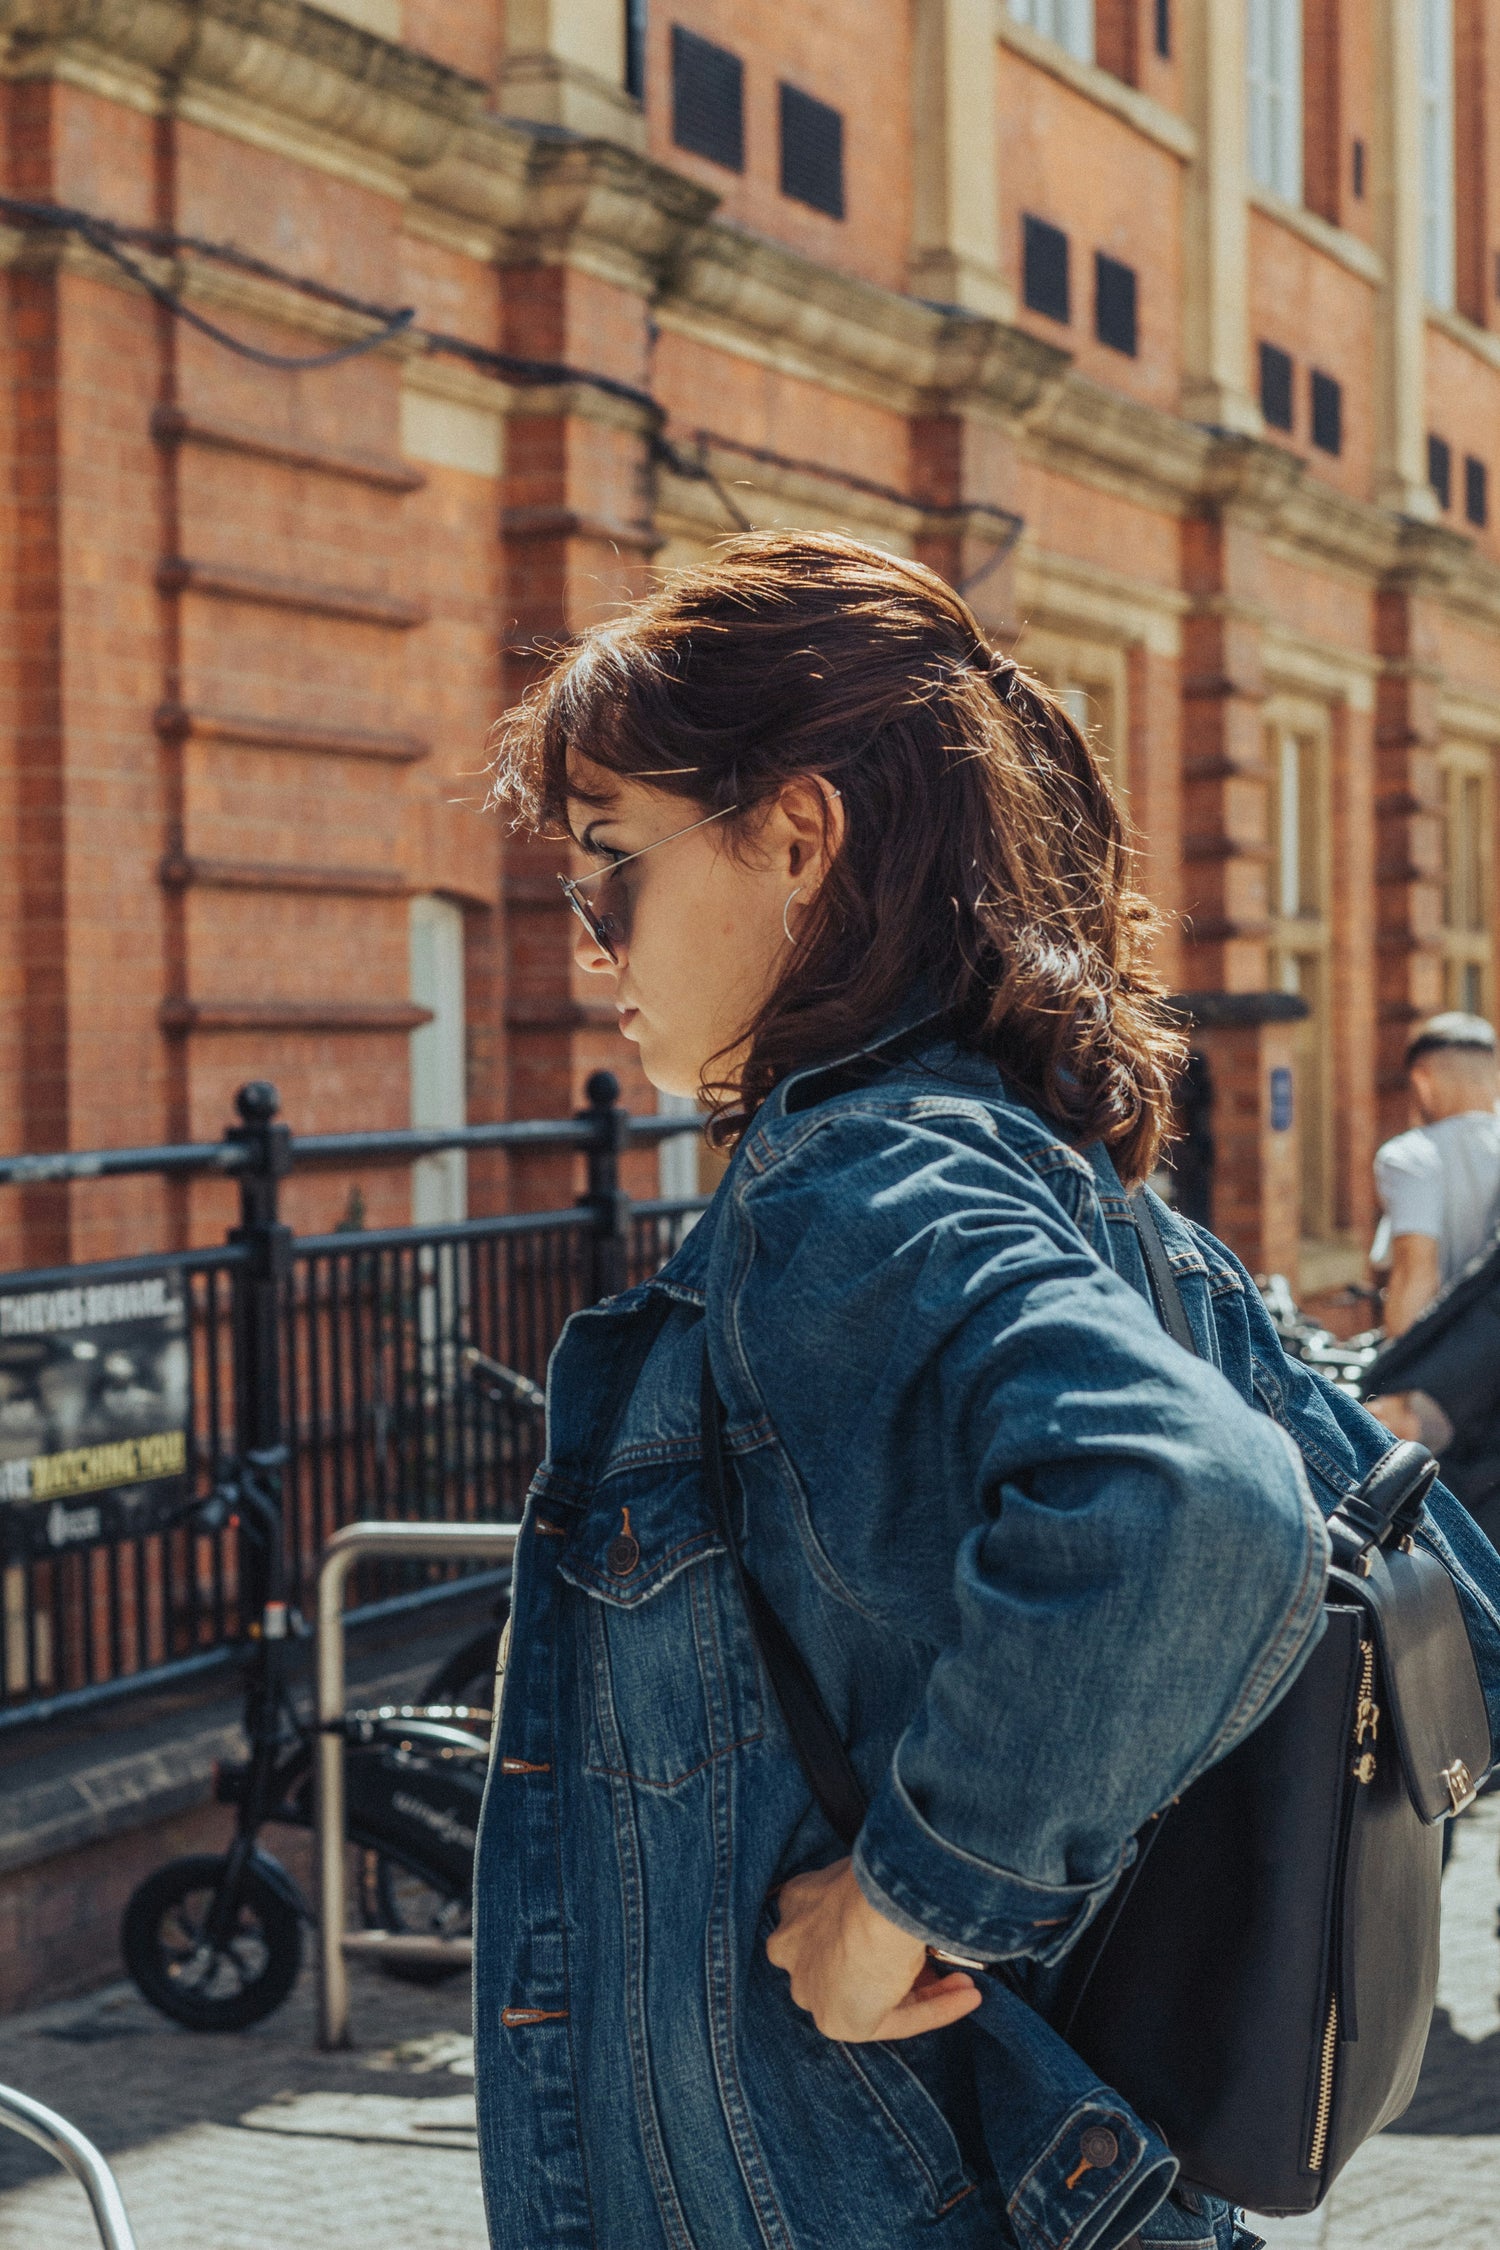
(1134, 1561)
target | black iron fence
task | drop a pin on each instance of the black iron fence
(347, 1352)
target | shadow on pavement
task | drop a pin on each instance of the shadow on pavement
(126, 2076)
(1459, 2091)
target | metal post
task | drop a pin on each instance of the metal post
(259, 1288)
(495, 1542)
(259, 1284)
(64, 2142)
(610, 1240)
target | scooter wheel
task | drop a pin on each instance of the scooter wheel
(204, 1985)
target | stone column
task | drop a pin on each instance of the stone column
(956, 251)
(1217, 382)
(565, 65)
(1242, 1029)
(1401, 343)
(1408, 811)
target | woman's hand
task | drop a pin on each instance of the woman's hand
(858, 1975)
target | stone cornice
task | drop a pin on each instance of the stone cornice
(747, 294)
(343, 99)
(288, 59)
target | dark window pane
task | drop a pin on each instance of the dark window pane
(812, 152)
(1276, 386)
(1359, 168)
(635, 48)
(1440, 469)
(1164, 29)
(1327, 413)
(708, 99)
(1476, 492)
(1044, 262)
(1114, 304)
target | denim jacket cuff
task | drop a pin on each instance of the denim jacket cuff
(947, 1897)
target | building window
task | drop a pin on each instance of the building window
(1089, 680)
(1357, 171)
(1044, 266)
(1440, 469)
(1069, 22)
(708, 100)
(1274, 33)
(1276, 386)
(1301, 943)
(435, 928)
(812, 152)
(1164, 29)
(1466, 777)
(1114, 304)
(635, 49)
(1476, 492)
(1327, 413)
(1438, 260)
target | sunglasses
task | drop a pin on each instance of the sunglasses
(608, 922)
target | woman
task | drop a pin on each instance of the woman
(862, 887)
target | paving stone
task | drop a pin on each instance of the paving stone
(256, 2141)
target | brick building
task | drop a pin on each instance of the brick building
(1169, 328)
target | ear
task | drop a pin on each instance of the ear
(806, 828)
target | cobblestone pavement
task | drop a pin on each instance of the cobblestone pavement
(255, 2141)
(1433, 2181)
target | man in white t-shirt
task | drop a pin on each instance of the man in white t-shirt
(1439, 1188)
(1439, 1184)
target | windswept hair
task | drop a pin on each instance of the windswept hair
(984, 856)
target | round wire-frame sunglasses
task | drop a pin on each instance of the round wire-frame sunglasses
(608, 930)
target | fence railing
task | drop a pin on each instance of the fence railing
(346, 1352)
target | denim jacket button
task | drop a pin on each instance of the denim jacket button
(623, 1554)
(1098, 2147)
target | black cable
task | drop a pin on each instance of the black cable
(108, 236)
(105, 236)
(554, 371)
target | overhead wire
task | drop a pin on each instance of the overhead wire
(118, 241)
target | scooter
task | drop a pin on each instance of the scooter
(215, 1940)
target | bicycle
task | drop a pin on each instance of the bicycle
(214, 1941)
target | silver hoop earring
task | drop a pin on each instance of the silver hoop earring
(786, 910)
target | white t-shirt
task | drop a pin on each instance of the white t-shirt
(1442, 1180)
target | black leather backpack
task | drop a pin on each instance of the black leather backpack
(1261, 1982)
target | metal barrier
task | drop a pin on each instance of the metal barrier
(82, 2159)
(347, 1350)
(494, 1543)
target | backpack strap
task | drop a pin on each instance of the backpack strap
(809, 1722)
(1170, 1309)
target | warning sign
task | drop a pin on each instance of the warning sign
(94, 1410)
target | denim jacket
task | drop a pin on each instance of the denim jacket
(1045, 1566)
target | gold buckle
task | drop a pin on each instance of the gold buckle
(1461, 1788)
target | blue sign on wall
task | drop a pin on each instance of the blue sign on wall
(1281, 1100)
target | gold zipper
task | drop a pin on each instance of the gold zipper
(1366, 1714)
(1324, 2112)
(1366, 1722)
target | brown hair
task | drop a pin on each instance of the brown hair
(983, 854)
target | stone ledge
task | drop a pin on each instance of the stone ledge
(57, 1816)
(163, 1764)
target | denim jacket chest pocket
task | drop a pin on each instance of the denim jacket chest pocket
(672, 1680)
